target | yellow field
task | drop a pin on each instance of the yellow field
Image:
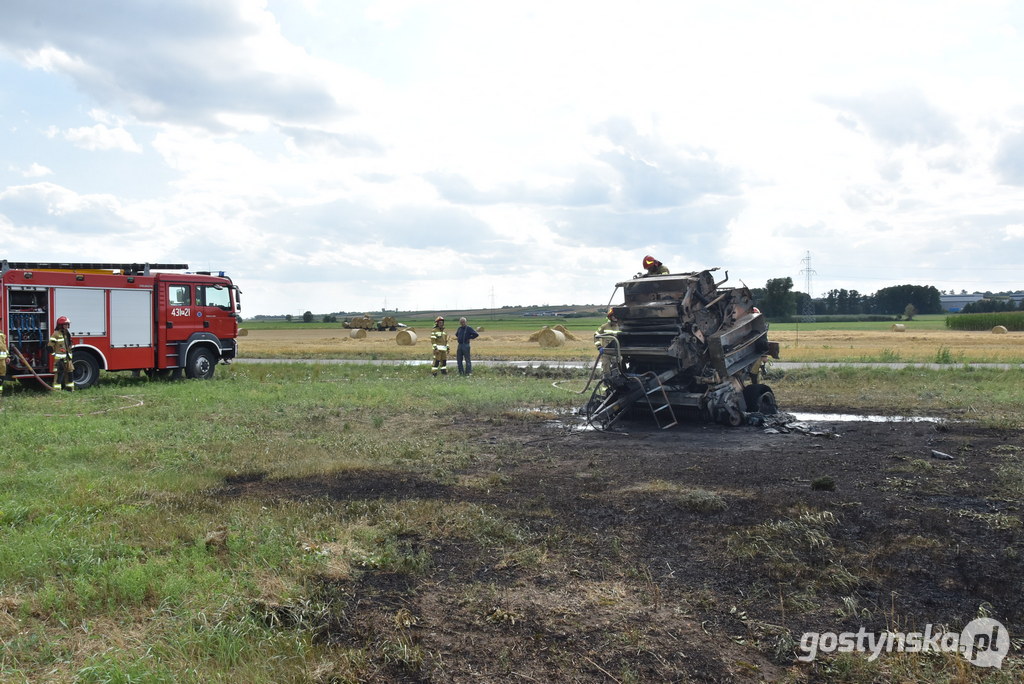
(940, 346)
(324, 344)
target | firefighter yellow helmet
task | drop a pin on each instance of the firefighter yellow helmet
(439, 319)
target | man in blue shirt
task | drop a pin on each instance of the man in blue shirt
(464, 334)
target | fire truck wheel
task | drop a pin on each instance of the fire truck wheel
(200, 364)
(87, 369)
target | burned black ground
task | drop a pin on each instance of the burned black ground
(700, 553)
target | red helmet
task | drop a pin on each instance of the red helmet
(650, 262)
(439, 319)
(63, 320)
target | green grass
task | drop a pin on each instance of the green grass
(1011, 320)
(106, 509)
(123, 559)
(989, 396)
(285, 325)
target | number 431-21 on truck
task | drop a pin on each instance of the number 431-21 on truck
(155, 318)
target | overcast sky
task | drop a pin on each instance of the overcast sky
(432, 154)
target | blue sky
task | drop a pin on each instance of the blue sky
(347, 155)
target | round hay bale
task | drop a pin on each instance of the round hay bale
(999, 330)
(357, 333)
(899, 327)
(551, 338)
(568, 335)
(405, 338)
(480, 329)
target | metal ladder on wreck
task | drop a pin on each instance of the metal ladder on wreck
(661, 409)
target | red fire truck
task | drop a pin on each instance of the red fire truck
(155, 318)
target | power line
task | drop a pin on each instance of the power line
(807, 272)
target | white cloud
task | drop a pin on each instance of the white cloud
(100, 137)
(189, 61)
(421, 151)
(36, 170)
(47, 205)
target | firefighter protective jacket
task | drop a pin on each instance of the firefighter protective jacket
(609, 327)
(60, 344)
(439, 339)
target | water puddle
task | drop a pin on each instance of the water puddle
(580, 426)
(559, 418)
(861, 418)
(783, 422)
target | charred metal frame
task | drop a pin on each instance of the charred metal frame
(687, 339)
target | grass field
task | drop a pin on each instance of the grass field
(125, 556)
(925, 340)
(117, 563)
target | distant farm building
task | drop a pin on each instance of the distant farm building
(953, 303)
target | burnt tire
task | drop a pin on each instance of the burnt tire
(730, 416)
(200, 364)
(87, 369)
(760, 399)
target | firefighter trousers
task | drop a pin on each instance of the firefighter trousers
(64, 374)
(440, 362)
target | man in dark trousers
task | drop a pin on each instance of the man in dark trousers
(464, 334)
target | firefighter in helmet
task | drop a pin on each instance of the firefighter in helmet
(439, 342)
(606, 347)
(4, 360)
(654, 267)
(60, 348)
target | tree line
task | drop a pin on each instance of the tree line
(992, 305)
(777, 299)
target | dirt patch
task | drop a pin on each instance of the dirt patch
(701, 553)
(349, 486)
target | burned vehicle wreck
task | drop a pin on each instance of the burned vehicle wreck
(684, 345)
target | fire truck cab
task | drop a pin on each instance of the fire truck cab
(155, 318)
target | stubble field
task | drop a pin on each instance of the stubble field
(921, 343)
